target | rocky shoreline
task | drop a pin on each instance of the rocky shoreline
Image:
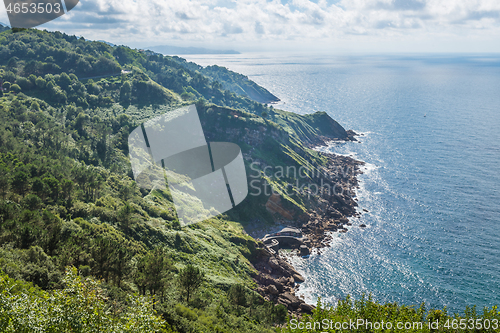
(334, 209)
(277, 279)
(277, 282)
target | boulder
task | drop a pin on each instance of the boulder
(279, 286)
(273, 262)
(271, 289)
(298, 278)
(290, 300)
(334, 213)
(307, 308)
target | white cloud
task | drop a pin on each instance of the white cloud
(278, 23)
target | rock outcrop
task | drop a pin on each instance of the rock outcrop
(277, 281)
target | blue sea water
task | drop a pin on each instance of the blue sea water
(431, 141)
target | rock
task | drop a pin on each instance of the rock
(362, 226)
(283, 280)
(334, 213)
(307, 308)
(292, 301)
(284, 302)
(273, 262)
(280, 286)
(298, 278)
(265, 280)
(271, 289)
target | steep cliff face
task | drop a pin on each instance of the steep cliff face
(287, 180)
(235, 82)
(312, 129)
(239, 84)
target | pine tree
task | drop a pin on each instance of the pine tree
(190, 279)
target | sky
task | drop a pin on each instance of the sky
(292, 26)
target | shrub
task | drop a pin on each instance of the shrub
(15, 88)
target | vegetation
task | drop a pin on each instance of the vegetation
(82, 248)
(190, 279)
(67, 197)
(81, 306)
(367, 315)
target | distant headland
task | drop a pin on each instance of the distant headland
(176, 50)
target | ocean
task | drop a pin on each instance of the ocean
(430, 137)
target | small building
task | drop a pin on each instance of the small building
(290, 231)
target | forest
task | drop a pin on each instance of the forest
(82, 247)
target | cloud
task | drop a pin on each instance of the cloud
(243, 22)
(401, 5)
(259, 29)
(479, 15)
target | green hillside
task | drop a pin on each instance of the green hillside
(68, 199)
(82, 248)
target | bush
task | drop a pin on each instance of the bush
(15, 88)
(79, 307)
(40, 83)
(32, 202)
(24, 83)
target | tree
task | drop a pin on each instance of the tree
(20, 182)
(153, 272)
(238, 295)
(125, 216)
(54, 187)
(190, 279)
(40, 83)
(126, 92)
(64, 80)
(24, 83)
(102, 252)
(32, 202)
(15, 88)
(57, 94)
(35, 106)
(120, 264)
(40, 188)
(66, 190)
(4, 181)
(18, 109)
(32, 78)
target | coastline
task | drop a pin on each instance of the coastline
(277, 279)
